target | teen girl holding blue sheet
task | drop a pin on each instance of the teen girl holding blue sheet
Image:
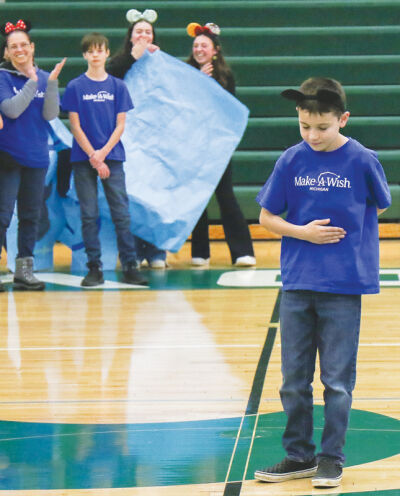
(138, 39)
(207, 57)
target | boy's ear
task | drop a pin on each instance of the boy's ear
(344, 118)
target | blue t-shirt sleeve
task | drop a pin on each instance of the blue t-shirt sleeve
(5, 87)
(69, 102)
(273, 195)
(378, 189)
(124, 101)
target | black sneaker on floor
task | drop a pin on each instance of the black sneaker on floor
(329, 473)
(287, 470)
(2, 287)
(131, 275)
(94, 277)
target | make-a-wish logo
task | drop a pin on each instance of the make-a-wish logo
(38, 94)
(101, 96)
(323, 182)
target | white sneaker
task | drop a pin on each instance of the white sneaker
(158, 264)
(245, 261)
(200, 262)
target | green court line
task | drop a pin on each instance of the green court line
(238, 466)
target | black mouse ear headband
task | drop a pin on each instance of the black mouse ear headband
(324, 96)
(21, 25)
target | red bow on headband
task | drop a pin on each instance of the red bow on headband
(10, 27)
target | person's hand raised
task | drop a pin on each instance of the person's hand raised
(207, 69)
(31, 73)
(141, 46)
(57, 69)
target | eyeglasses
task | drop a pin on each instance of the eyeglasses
(24, 45)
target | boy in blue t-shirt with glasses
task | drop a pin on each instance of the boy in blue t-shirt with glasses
(97, 104)
(332, 189)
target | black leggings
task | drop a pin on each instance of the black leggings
(235, 226)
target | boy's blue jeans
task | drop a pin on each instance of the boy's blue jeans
(329, 323)
(24, 185)
(85, 177)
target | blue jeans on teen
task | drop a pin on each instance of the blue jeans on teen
(329, 323)
(115, 191)
(24, 185)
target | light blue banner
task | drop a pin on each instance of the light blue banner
(178, 141)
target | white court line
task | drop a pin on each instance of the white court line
(131, 347)
(262, 278)
(166, 347)
(75, 281)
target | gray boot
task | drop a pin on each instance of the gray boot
(23, 275)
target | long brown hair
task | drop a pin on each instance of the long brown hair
(221, 72)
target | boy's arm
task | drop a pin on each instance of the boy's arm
(380, 210)
(317, 231)
(78, 133)
(114, 138)
(86, 146)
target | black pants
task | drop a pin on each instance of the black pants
(235, 226)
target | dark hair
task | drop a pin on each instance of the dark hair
(221, 70)
(94, 40)
(312, 85)
(126, 48)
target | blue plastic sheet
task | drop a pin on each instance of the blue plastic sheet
(178, 142)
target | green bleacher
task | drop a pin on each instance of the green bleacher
(271, 45)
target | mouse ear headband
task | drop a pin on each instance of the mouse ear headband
(148, 15)
(323, 96)
(9, 27)
(195, 29)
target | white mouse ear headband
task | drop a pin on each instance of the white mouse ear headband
(148, 15)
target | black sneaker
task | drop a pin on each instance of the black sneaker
(329, 473)
(131, 275)
(2, 287)
(286, 470)
(94, 277)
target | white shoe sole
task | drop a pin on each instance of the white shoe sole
(326, 482)
(302, 474)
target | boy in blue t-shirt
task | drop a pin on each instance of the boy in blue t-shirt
(332, 189)
(97, 104)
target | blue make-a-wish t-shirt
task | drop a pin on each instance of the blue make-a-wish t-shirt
(97, 103)
(345, 185)
(26, 137)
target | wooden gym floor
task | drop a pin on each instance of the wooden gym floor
(173, 389)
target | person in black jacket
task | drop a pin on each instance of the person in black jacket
(139, 38)
(207, 57)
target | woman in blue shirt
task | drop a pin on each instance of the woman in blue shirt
(28, 99)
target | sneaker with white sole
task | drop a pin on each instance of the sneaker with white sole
(287, 470)
(200, 262)
(245, 261)
(158, 264)
(329, 473)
